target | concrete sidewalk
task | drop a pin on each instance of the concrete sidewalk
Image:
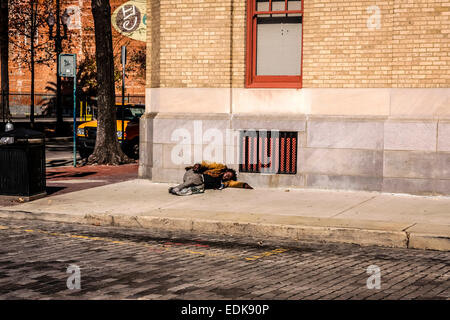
(363, 218)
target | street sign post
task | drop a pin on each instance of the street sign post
(68, 69)
(124, 62)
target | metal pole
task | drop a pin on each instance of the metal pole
(3, 106)
(33, 32)
(4, 65)
(59, 116)
(75, 117)
(124, 61)
(123, 102)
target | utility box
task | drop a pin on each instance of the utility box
(22, 164)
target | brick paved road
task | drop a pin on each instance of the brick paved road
(119, 263)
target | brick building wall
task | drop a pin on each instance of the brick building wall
(199, 44)
(202, 43)
(341, 51)
(373, 112)
(82, 39)
(410, 49)
(421, 44)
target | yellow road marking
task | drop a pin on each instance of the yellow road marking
(119, 242)
(155, 247)
(195, 252)
(80, 237)
(267, 254)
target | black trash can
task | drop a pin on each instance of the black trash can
(22, 164)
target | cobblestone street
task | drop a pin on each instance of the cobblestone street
(117, 263)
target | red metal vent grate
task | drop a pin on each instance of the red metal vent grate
(268, 152)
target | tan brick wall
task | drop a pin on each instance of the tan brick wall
(200, 45)
(239, 43)
(153, 44)
(196, 47)
(411, 48)
(421, 44)
(338, 48)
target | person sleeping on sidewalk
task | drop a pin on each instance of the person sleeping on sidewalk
(207, 175)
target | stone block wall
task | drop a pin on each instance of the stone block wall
(399, 156)
(378, 155)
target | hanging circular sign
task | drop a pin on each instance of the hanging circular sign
(130, 19)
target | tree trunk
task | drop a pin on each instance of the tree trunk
(4, 106)
(107, 148)
(58, 47)
(33, 33)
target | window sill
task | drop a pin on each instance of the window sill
(275, 85)
(288, 82)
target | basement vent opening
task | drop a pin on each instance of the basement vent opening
(271, 152)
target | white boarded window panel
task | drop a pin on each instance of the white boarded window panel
(278, 47)
(294, 5)
(262, 5)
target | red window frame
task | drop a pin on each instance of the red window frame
(251, 79)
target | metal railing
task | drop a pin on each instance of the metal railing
(45, 105)
(131, 99)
